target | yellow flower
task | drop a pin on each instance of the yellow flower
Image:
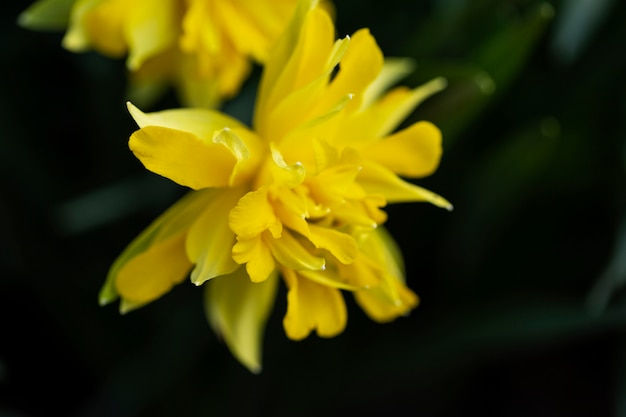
(299, 196)
(203, 47)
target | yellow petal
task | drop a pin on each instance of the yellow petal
(151, 30)
(141, 27)
(279, 55)
(195, 147)
(104, 26)
(200, 29)
(377, 306)
(257, 257)
(309, 104)
(306, 63)
(290, 252)
(386, 114)
(252, 26)
(253, 214)
(311, 306)
(201, 122)
(341, 245)
(77, 38)
(183, 157)
(360, 66)
(391, 298)
(238, 309)
(412, 152)
(376, 179)
(174, 222)
(210, 241)
(393, 70)
(154, 272)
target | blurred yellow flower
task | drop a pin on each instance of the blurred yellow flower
(203, 47)
(299, 196)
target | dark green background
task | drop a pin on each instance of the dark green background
(523, 311)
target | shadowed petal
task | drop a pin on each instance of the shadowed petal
(170, 226)
(238, 310)
(209, 241)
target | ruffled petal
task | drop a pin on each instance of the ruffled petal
(311, 306)
(257, 257)
(253, 214)
(412, 152)
(238, 309)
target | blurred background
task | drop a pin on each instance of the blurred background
(523, 310)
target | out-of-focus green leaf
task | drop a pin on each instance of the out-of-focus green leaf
(504, 55)
(47, 15)
(487, 72)
(503, 180)
(469, 89)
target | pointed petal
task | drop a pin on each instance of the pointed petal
(393, 70)
(376, 179)
(412, 152)
(201, 122)
(238, 310)
(311, 306)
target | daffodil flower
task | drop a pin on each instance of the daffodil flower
(203, 47)
(297, 197)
